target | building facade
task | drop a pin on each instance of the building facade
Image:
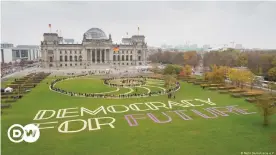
(20, 52)
(96, 48)
(6, 52)
(26, 52)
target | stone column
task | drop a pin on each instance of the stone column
(104, 55)
(96, 56)
(92, 52)
(100, 55)
(110, 57)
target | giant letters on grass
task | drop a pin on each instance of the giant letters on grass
(184, 110)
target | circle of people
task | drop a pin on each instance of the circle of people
(126, 82)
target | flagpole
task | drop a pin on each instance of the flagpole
(50, 28)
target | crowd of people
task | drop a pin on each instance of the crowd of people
(126, 80)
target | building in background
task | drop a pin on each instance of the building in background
(9, 53)
(6, 45)
(96, 48)
(26, 52)
(6, 52)
(238, 46)
(206, 47)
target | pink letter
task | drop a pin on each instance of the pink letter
(128, 117)
(205, 116)
(158, 121)
(182, 115)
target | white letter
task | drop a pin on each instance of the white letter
(111, 109)
(170, 103)
(187, 103)
(135, 107)
(16, 133)
(43, 113)
(98, 125)
(156, 106)
(66, 123)
(64, 113)
(101, 108)
(204, 101)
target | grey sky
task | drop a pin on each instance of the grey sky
(251, 23)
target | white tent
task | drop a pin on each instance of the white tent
(8, 89)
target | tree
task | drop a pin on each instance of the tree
(260, 71)
(242, 60)
(267, 108)
(271, 86)
(272, 73)
(246, 76)
(170, 81)
(273, 63)
(191, 58)
(240, 77)
(217, 75)
(172, 69)
(186, 71)
(233, 75)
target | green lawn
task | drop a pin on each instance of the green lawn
(219, 136)
(84, 85)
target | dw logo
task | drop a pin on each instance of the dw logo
(17, 133)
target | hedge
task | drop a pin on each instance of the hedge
(236, 91)
(251, 94)
(223, 92)
(251, 99)
(236, 95)
(212, 88)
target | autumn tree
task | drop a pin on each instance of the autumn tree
(271, 86)
(240, 77)
(267, 107)
(170, 81)
(273, 62)
(172, 69)
(272, 74)
(186, 71)
(217, 74)
(245, 76)
(191, 58)
(233, 75)
(242, 60)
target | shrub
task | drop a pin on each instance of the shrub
(236, 95)
(251, 99)
(236, 91)
(226, 88)
(216, 85)
(251, 94)
(223, 92)
(212, 88)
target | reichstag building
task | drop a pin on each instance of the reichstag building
(96, 48)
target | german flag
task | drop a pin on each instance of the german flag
(116, 49)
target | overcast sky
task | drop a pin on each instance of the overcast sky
(252, 24)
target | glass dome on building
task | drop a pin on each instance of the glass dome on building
(95, 33)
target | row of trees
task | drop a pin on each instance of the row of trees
(261, 63)
(219, 74)
(238, 77)
(180, 58)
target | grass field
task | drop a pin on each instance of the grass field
(219, 136)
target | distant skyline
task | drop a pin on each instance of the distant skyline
(252, 24)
